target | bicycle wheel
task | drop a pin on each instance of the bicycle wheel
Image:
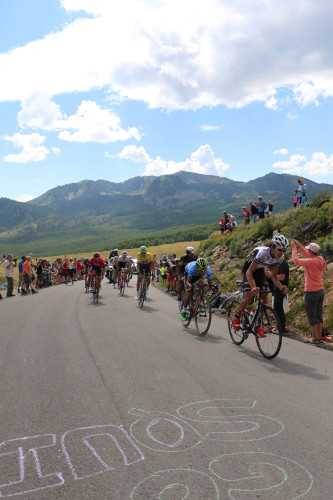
(142, 294)
(121, 286)
(189, 314)
(237, 337)
(269, 335)
(203, 316)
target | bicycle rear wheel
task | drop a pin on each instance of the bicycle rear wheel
(269, 336)
(121, 286)
(237, 337)
(203, 316)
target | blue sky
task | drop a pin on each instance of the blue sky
(102, 89)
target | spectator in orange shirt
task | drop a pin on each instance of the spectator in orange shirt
(27, 274)
(314, 266)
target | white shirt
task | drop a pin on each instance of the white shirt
(8, 272)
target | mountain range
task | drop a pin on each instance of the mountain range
(90, 215)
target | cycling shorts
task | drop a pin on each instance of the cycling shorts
(260, 280)
(96, 270)
(122, 264)
(146, 268)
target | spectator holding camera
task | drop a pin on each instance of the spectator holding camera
(9, 265)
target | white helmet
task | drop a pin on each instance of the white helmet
(190, 250)
(280, 241)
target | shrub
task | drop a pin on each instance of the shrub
(327, 247)
(222, 265)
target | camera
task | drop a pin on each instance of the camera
(15, 260)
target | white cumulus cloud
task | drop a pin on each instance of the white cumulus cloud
(319, 164)
(282, 151)
(31, 148)
(179, 55)
(134, 153)
(202, 161)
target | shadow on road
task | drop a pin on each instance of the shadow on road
(281, 365)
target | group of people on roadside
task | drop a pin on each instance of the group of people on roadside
(38, 273)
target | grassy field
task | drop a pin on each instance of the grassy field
(177, 248)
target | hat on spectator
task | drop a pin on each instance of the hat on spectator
(259, 197)
(313, 247)
(244, 206)
(9, 255)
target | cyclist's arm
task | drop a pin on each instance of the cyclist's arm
(249, 276)
(276, 280)
(189, 282)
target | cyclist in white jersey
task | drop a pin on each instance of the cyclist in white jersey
(253, 272)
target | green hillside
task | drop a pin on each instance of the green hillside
(96, 214)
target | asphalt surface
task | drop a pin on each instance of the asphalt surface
(108, 401)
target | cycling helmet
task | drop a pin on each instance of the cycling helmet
(96, 255)
(116, 250)
(86, 260)
(124, 253)
(190, 250)
(280, 241)
(202, 264)
(143, 249)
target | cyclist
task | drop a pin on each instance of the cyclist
(123, 263)
(145, 262)
(253, 273)
(189, 256)
(97, 265)
(195, 271)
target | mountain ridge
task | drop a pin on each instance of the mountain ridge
(93, 213)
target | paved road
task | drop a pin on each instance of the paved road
(109, 401)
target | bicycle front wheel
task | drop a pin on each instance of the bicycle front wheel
(268, 332)
(142, 295)
(203, 316)
(237, 337)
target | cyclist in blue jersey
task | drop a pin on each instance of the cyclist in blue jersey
(254, 275)
(194, 271)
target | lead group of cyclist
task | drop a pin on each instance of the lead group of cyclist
(192, 269)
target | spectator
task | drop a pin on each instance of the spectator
(314, 266)
(9, 265)
(222, 226)
(247, 215)
(164, 271)
(302, 192)
(254, 211)
(295, 198)
(20, 267)
(280, 299)
(270, 207)
(27, 274)
(261, 207)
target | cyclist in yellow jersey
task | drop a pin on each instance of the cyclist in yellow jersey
(145, 262)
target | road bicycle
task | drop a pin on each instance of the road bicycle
(86, 281)
(95, 287)
(122, 280)
(262, 322)
(227, 298)
(143, 288)
(199, 308)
